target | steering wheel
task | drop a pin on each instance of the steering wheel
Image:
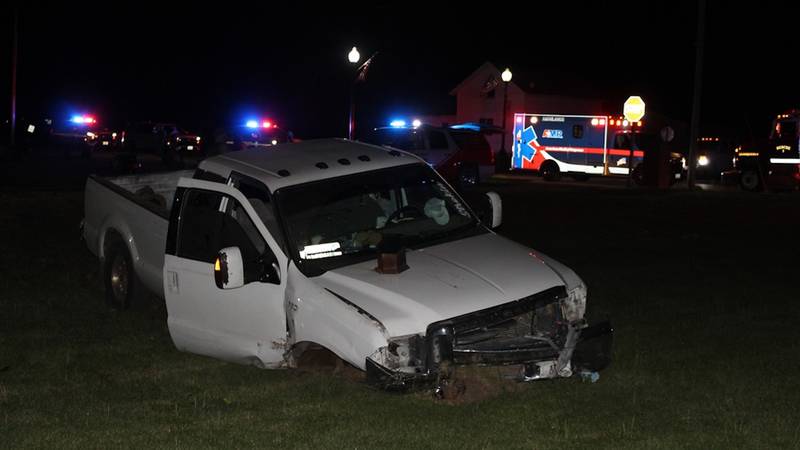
(411, 210)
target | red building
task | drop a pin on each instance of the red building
(479, 98)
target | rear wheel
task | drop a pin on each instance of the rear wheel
(550, 171)
(119, 277)
(750, 180)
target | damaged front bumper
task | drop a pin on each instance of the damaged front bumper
(531, 333)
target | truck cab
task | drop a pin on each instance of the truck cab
(772, 163)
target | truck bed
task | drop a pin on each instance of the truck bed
(136, 207)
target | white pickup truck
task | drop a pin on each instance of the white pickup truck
(363, 250)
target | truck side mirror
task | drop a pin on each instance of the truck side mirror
(229, 268)
(497, 208)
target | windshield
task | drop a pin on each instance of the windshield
(341, 221)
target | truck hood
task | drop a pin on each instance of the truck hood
(445, 281)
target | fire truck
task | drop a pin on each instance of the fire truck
(772, 163)
(579, 145)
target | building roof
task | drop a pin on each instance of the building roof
(297, 163)
(539, 82)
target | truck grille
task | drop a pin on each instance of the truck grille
(525, 330)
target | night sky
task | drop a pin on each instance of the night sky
(204, 67)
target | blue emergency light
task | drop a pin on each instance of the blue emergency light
(82, 120)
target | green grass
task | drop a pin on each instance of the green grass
(700, 288)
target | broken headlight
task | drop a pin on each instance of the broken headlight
(403, 353)
(574, 306)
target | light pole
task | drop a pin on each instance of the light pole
(354, 57)
(14, 46)
(698, 85)
(502, 156)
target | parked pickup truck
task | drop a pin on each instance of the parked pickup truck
(363, 250)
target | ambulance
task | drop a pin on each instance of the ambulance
(577, 145)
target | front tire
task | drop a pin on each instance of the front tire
(750, 180)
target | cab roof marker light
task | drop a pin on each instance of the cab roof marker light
(518, 119)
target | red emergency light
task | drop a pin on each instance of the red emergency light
(620, 122)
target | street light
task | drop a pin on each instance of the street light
(505, 76)
(502, 156)
(354, 56)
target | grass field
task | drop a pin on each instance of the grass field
(700, 288)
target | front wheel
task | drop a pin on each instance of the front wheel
(750, 180)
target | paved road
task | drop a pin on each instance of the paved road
(597, 182)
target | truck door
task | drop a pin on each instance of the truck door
(245, 324)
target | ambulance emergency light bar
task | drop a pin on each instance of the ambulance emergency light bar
(598, 121)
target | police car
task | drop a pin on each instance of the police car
(460, 153)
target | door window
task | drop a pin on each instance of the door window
(437, 139)
(259, 198)
(211, 221)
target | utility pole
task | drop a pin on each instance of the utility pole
(698, 87)
(502, 161)
(14, 79)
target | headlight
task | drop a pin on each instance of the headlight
(703, 161)
(574, 307)
(403, 353)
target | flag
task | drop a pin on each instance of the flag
(362, 71)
